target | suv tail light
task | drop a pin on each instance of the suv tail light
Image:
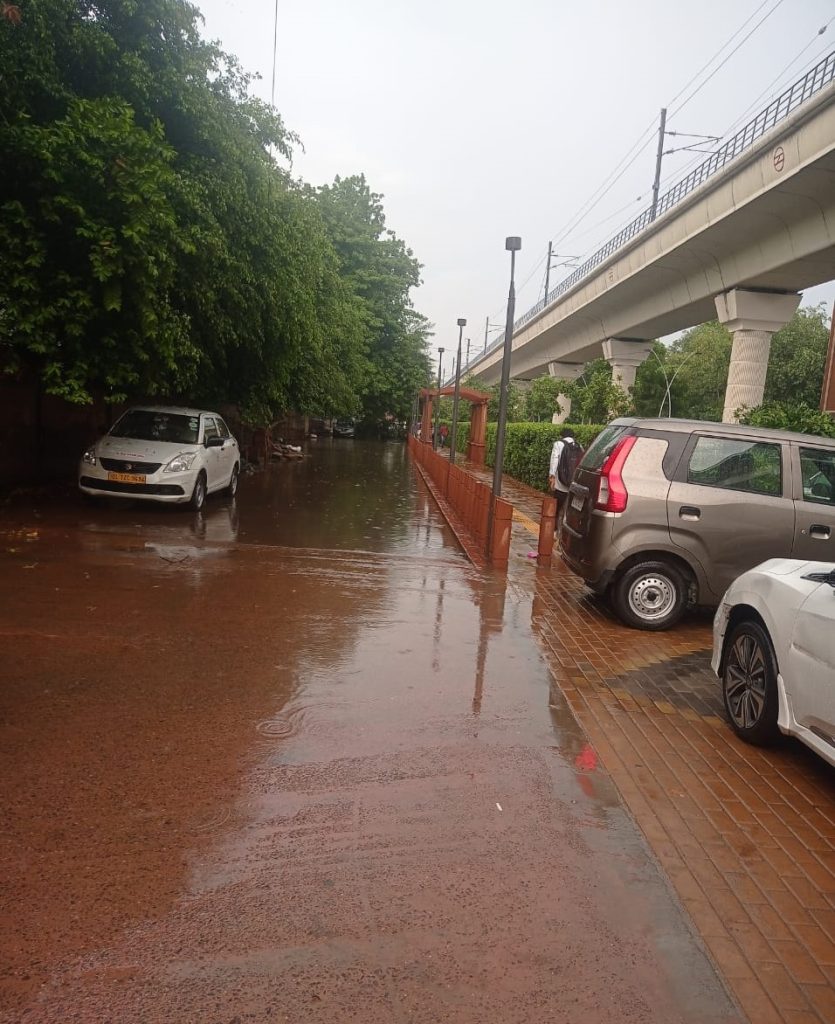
(612, 495)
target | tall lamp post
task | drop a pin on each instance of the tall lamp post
(513, 245)
(461, 325)
(438, 399)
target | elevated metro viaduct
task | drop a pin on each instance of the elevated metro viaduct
(739, 238)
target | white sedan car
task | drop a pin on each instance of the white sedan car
(774, 652)
(157, 453)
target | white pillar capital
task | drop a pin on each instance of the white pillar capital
(741, 310)
(625, 356)
(565, 371)
(751, 317)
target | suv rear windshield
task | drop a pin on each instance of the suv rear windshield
(602, 446)
(154, 425)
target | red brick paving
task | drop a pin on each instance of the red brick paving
(746, 836)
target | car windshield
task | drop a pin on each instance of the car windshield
(156, 425)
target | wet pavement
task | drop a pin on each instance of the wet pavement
(296, 759)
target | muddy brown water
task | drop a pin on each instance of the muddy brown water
(294, 759)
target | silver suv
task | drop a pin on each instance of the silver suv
(665, 514)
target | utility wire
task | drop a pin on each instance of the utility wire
(719, 66)
(727, 43)
(632, 154)
(773, 87)
(647, 136)
(769, 91)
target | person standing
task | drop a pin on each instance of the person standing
(565, 457)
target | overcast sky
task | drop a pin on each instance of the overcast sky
(478, 120)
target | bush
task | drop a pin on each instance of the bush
(795, 416)
(528, 447)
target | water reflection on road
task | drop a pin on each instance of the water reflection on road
(296, 759)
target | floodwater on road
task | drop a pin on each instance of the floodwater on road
(295, 759)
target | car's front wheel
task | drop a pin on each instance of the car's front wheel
(198, 495)
(650, 595)
(232, 486)
(749, 684)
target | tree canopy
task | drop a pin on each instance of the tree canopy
(154, 245)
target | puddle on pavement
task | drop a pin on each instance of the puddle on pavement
(345, 682)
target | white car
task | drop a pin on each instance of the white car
(157, 453)
(774, 652)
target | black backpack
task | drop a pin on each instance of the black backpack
(569, 460)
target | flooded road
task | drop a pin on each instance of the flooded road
(296, 760)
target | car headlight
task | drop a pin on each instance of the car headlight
(180, 463)
(89, 457)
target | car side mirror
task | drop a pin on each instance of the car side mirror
(214, 442)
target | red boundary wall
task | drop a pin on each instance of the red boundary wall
(469, 498)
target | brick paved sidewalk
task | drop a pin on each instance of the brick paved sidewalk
(746, 836)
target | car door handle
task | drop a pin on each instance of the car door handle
(819, 532)
(689, 512)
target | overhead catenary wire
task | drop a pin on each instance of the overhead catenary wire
(770, 90)
(648, 135)
(680, 172)
(629, 158)
(718, 53)
(727, 57)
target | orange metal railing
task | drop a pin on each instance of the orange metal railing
(470, 499)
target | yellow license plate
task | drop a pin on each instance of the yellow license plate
(126, 478)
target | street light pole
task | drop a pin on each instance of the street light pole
(438, 398)
(461, 325)
(513, 244)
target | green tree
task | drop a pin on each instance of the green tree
(798, 416)
(649, 395)
(595, 397)
(797, 358)
(153, 244)
(542, 400)
(700, 360)
(515, 402)
(381, 272)
(91, 242)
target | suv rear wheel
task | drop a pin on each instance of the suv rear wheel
(650, 595)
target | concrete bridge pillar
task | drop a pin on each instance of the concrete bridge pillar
(625, 355)
(752, 318)
(564, 371)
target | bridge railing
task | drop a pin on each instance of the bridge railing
(786, 103)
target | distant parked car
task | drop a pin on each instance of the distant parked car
(156, 453)
(343, 428)
(774, 651)
(663, 514)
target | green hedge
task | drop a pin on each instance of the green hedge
(527, 449)
(528, 446)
